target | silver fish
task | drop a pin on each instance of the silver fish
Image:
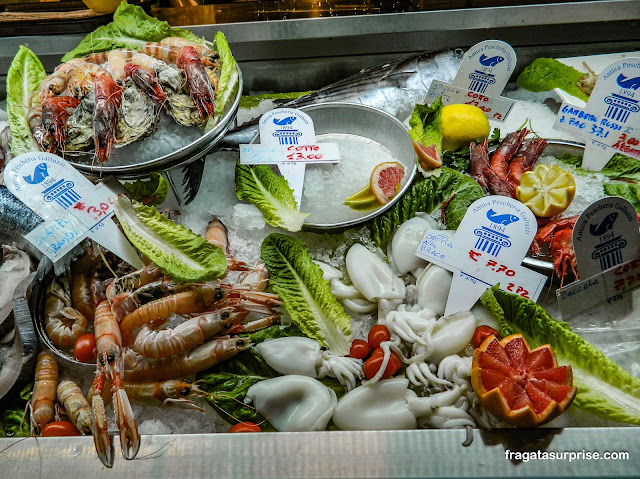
(393, 87)
(15, 216)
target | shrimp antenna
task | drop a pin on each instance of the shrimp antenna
(106, 263)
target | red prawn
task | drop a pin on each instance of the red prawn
(56, 111)
(525, 158)
(105, 115)
(200, 88)
(146, 80)
(498, 180)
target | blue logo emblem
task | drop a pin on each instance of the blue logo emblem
(628, 83)
(504, 220)
(62, 193)
(38, 176)
(490, 62)
(605, 225)
(284, 121)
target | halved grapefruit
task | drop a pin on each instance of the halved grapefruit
(428, 156)
(385, 180)
(522, 387)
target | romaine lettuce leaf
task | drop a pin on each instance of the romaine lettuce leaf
(426, 125)
(427, 194)
(628, 191)
(228, 80)
(24, 77)
(151, 191)
(305, 294)
(545, 74)
(271, 194)
(178, 251)
(619, 167)
(604, 388)
(130, 28)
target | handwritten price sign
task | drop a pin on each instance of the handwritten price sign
(257, 154)
(496, 108)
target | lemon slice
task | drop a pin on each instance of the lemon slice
(547, 191)
(363, 200)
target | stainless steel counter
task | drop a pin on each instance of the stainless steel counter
(390, 454)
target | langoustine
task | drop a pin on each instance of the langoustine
(43, 398)
(76, 405)
(63, 324)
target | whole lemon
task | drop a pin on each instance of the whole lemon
(462, 124)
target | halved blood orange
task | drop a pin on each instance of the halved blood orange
(428, 156)
(385, 180)
(522, 387)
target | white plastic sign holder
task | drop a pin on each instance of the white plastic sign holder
(483, 74)
(72, 207)
(487, 248)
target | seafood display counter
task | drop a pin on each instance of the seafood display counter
(298, 56)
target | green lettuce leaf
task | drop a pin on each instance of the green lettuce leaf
(619, 167)
(427, 194)
(178, 251)
(426, 124)
(14, 422)
(228, 81)
(271, 194)
(604, 388)
(150, 191)
(305, 294)
(24, 77)
(628, 191)
(545, 74)
(130, 28)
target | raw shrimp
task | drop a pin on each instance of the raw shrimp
(498, 180)
(55, 112)
(525, 158)
(479, 160)
(117, 60)
(43, 398)
(110, 363)
(187, 335)
(170, 54)
(103, 57)
(82, 78)
(63, 323)
(132, 281)
(81, 297)
(217, 234)
(44, 139)
(208, 56)
(169, 76)
(76, 405)
(146, 80)
(256, 280)
(186, 364)
(200, 88)
(190, 302)
(56, 83)
(105, 115)
(126, 303)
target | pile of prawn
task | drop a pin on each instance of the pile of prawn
(150, 333)
(111, 98)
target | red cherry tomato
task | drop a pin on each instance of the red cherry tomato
(60, 428)
(377, 335)
(245, 427)
(481, 333)
(359, 349)
(374, 363)
(378, 352)
(85, 348)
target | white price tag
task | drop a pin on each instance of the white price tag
(611, 118)
(496, 108)
(256, 154)
(73, 208)
(488, 248)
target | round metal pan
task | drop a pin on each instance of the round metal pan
(369, 123)
(180, 157)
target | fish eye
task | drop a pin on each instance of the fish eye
(219, 295)
(225, 315)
